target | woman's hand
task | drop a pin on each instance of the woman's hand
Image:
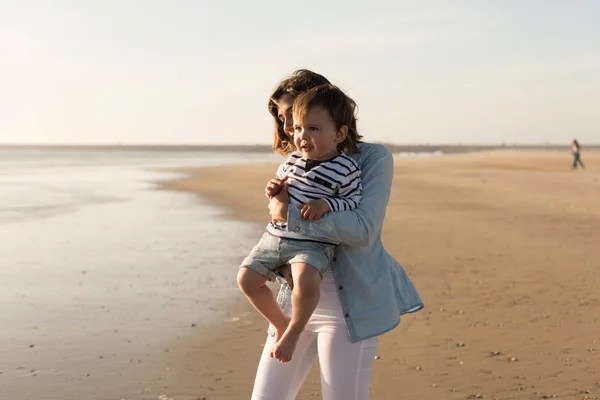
(278, 205)
(274, 186)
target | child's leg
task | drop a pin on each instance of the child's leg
(305, 298)
(253, 285)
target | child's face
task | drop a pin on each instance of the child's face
(316, 135)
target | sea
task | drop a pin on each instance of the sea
(92, 255)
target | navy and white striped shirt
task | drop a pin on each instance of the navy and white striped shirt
(337, 181)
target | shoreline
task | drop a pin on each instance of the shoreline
(445, 148)
(486, 238)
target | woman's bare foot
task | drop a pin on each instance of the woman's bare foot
(284, 348)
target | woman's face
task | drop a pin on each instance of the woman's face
(284, 112)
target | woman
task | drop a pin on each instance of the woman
(575, 149)
(362, 296)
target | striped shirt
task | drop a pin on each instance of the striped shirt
(337, 181)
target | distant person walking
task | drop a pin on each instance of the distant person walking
(576, 150)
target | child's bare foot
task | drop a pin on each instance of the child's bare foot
(284, 348)
(279, 331)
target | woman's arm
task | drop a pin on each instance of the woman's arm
(359, 227)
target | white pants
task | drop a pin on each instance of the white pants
(345, 366)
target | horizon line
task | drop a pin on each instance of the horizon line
(260, 148)
(199, 145)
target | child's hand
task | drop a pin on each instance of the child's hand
(314, 209)
(274, 186)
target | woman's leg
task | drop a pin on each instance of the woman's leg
(345, 366)
(279, 381)
(577, 160)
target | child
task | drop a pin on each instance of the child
(320, 178)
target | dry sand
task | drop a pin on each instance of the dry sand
(504, 248)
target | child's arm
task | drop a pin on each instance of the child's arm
(361, 226)
(349, 193)
(347, 198)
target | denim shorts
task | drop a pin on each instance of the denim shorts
(273, 252)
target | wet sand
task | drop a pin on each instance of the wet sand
(100, 273)
(504, 248)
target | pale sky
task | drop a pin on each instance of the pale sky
(200, 72)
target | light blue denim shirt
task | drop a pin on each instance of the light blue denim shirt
(374, 288)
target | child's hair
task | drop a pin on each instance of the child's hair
(299, 81)
(341, 108)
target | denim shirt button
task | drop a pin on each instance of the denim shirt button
(334, 259)
(347, 315)
(341, 288)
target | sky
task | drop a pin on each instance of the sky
(201, 72)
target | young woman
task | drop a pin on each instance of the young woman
(362, 295)
(576, 149)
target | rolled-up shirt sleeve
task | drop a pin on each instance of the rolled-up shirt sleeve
(361, 226)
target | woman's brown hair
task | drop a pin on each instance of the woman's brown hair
(340, 107)
(298, 82)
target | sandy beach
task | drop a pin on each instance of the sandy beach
(116, 290)
(504, 249)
